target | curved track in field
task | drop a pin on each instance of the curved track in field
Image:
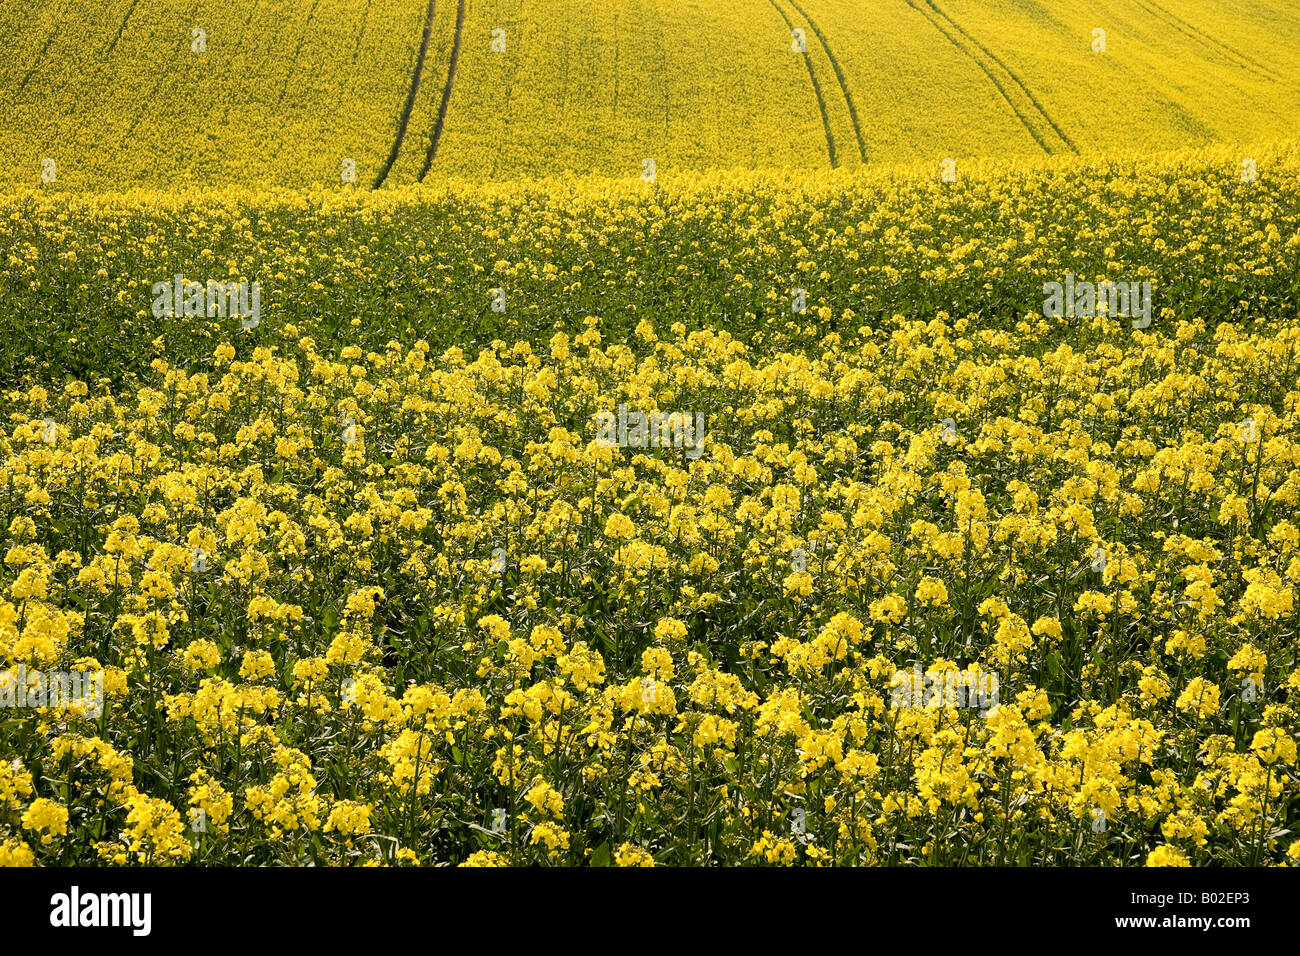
(121, 29)
(1014, 79)
(441, 122)
(945, 25)
(817, 91)
(839, 77)
(1205, 40)
(405, 117)
(40, 58)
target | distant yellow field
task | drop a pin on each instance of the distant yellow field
(291, 93)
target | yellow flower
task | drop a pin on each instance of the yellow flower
(47, 818)
(1274, 745)
(348, 818)
(14, 853)
(669, 629)
(629, 854)
(619, 527)
(1166, 855)
(1200, 696)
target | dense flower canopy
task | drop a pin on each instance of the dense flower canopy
(401, 605)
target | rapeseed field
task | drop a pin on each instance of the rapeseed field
(782, 433)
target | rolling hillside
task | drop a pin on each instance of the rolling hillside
(284, 91)
(390, 476)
